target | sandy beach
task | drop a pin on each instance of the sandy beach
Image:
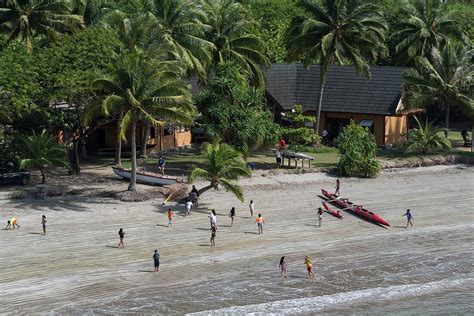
(360, 268)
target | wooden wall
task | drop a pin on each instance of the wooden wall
(395, 127)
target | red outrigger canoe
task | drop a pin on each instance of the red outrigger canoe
(331, 211)
(356, 209)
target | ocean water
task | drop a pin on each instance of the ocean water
(431, 272)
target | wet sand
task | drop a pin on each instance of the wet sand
(76, 267)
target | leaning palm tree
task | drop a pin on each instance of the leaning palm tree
(336, 31)
(423, 25)
(29, 18)
(180, 24)
(425, 138)
(41, 151)
(224, 165)
(446, 80)
(230, 32)
(146, 90)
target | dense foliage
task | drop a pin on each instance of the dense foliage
(235, 112)
(298, 133)
(425, 137)
(357, 148)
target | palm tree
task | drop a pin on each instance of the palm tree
(180, 24)
(224, 165)
(336, 31)
(145, 90)
(40, 151)
(29, 18)
(230, 33)
(446, 80)
(423, 25)
(425, 137)
(91, 10)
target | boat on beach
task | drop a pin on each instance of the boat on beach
(354, 208)
(147, 178)
(334, 213)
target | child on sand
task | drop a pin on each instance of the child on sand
(232, 216)
(170, 217)
(213, 235)
(43, 223)
(121, 234)
(309, 266)
(11, 223)
(260, 221)
(338, 185)
(409, 218)
(252, 208)
(320, 216)
(283, 268)
(156, 260)
(189, 206)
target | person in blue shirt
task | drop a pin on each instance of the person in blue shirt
(409, 218)
(161, 165)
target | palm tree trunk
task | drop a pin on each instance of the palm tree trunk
(146, 133)
(76, 168)
(320, 103)
(447, 116)
(133, 140)
(118, 142)
(206, 188)
(43, 176)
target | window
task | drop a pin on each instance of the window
(168, 130)
(368, 123)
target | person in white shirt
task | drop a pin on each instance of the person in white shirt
(325, 136)
(213, 218)
(252, 208)
(189, 206)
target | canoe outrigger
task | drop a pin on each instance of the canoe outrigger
(356, 209)
(331, 211)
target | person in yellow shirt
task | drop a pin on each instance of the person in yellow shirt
(11, 223)
(309, 266)
(260, 221)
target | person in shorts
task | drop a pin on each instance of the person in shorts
(283, 268)
(170, 217)
(260, 221)
(213, 235)
(309, 266)
(121, 234)
(156, 260)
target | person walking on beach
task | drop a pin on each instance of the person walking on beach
(283, 268)
(409, 218)
(156, 260)
(189, 206)
(260, 221)
(320, 216)
(232, 216)
(43, 223)
(195, 196)
(170, 217)
(161, 166)
(213, 218)
(338, 186)
(252, 208)
(213, 235)
(309, 266)
(121, 234)
(278, 157)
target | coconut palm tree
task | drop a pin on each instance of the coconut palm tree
(445, 79)
(336, 31)
(30, 18)
(229, 31)
(423, 25)
(41, 151)
(91, 10)
(145, 89)
(224, 165)
(425, 137)
(180, 24)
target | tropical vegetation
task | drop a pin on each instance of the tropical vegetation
(425, 137)
(357, 148)
(223, 166)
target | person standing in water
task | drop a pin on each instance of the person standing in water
(409, 218)
(252, 208)
(338, 186)
(320, 216)
(43, 223)
(260, 221)
(283, 268)
(170, 217)
(121, 234)
(309, 266)
(213, 235)
(156, 260)
(213, 218)
(232, 216)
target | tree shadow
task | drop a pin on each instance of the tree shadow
(63, 203)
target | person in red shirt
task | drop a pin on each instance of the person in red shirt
(170, 217)
(282, 144)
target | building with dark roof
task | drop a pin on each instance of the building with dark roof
(374, 103)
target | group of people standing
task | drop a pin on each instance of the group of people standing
(284, 267)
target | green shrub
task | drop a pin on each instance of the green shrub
(357, 148)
